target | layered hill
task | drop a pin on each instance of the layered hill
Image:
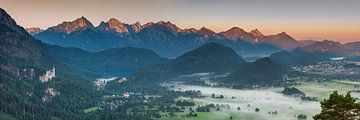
(263, 72)
(327, 46)
(312, 53)
(298, 57)
(210, 57)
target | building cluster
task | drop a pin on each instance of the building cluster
(50, 74)
(49, 93)
(101, 82)
(123, 79)
(331, 68)
(26, 73)
(118, 100)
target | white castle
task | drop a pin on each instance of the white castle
(50, 74)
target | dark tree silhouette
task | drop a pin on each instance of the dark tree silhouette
(339, 107)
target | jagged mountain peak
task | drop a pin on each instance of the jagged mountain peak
(283, 34)
(137, 23)
(102, 23)
(71, 26)
(83, 22)
(113, 20)
(256, 33)
(148, 24)
(164, 22)
(170, 25)
(236, 33)
(282, 40)
(235, 29)
(34, 30)
(113, 24)
(207, 30)
(136, 26)
(162, 25)
(190, 30)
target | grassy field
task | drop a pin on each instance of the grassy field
(221, 115)
(321, 90)
(347, 82)
(213, 115)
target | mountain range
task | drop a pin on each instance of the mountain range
(82, 52)
(163, 37)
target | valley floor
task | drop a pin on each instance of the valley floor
(267, 100)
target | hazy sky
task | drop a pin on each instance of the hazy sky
(303, 19)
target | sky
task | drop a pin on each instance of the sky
(303, 19)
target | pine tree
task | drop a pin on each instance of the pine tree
(339, 107)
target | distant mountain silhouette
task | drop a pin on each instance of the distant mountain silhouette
(307, 42)
(34, 30)
(163, 37)
(312, 53)
(327, 46)
(282, 40)
(352, 45)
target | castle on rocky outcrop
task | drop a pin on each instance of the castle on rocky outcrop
(50, 74)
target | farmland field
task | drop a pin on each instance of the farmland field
(322, 90)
